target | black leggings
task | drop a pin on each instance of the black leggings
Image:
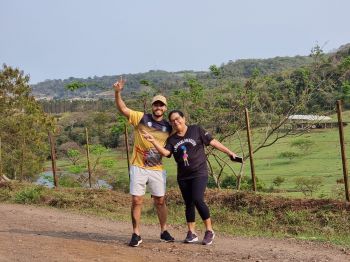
(192, 191)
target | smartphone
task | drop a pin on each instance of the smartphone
(237, 159)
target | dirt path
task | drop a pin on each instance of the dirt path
(29, 233)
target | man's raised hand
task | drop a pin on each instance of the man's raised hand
(119, 85)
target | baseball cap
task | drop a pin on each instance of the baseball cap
(159, 98)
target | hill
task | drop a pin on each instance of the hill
(163, 80)
(100, 87)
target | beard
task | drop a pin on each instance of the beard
(158, 113)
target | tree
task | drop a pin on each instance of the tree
(308, 186)
(215, 71)
(73, 156)
(278, 180)
(23, 126)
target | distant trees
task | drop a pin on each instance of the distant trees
(308, 185)
(270, 99)
(23, 127)
(104, 128)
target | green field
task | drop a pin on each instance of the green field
(323, 160)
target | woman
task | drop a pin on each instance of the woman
(187, 146)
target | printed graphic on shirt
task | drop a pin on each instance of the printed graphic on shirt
(185, 155)
(186, 140)
(189, 152)
(152, 158)
(144, 154)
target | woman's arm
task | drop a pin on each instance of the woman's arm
(151, 139)
(216, 144)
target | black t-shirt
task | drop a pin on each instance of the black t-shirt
(188, 151)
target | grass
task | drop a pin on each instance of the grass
(234, 213)
(322, 161)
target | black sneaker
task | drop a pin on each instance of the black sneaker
(135, 240)
(208, 237)
(191, 238)
(166, 237)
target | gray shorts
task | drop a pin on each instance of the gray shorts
(154, 179)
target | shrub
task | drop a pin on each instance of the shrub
(278, 180)
(211, 182)
(76, 169)
(308, 185)
(121, 184)
(28, 195)
(230, 182)
(68, 181)
(288, 154)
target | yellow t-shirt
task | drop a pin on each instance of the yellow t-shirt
(144, 154)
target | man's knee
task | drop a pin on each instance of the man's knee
(137, 200)
(159, 201)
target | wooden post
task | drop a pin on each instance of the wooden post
(342, 147)
(88, 155)
(252, 169)
(127, 147)
(53, 160)
(0, 160)
(22, 159)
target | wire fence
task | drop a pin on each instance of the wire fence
(318, 171)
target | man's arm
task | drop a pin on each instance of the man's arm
(118, 87)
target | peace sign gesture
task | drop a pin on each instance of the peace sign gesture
(119, 85)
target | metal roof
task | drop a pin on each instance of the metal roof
(309, 117)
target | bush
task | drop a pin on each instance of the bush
(68, 181)
(76, 169)
(121, 184)
(288, 154)
(278, 180)
(28, 195)
(211, 183)
(230, 182)
(308, 185)
(247, 184)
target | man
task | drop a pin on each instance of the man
(146, 163)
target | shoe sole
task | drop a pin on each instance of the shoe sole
(138, 243)
(166, 241)
(191, 241)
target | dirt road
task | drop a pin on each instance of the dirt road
(29, 233)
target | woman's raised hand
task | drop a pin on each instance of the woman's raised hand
(148, 136)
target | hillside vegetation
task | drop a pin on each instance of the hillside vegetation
(166, 81)
(217, 100)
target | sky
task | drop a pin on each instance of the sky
(58, 39)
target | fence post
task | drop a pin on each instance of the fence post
(252, 169)
(342, 147)
(127, 147)
(0, 160)
(88, 155)
(53, 159)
